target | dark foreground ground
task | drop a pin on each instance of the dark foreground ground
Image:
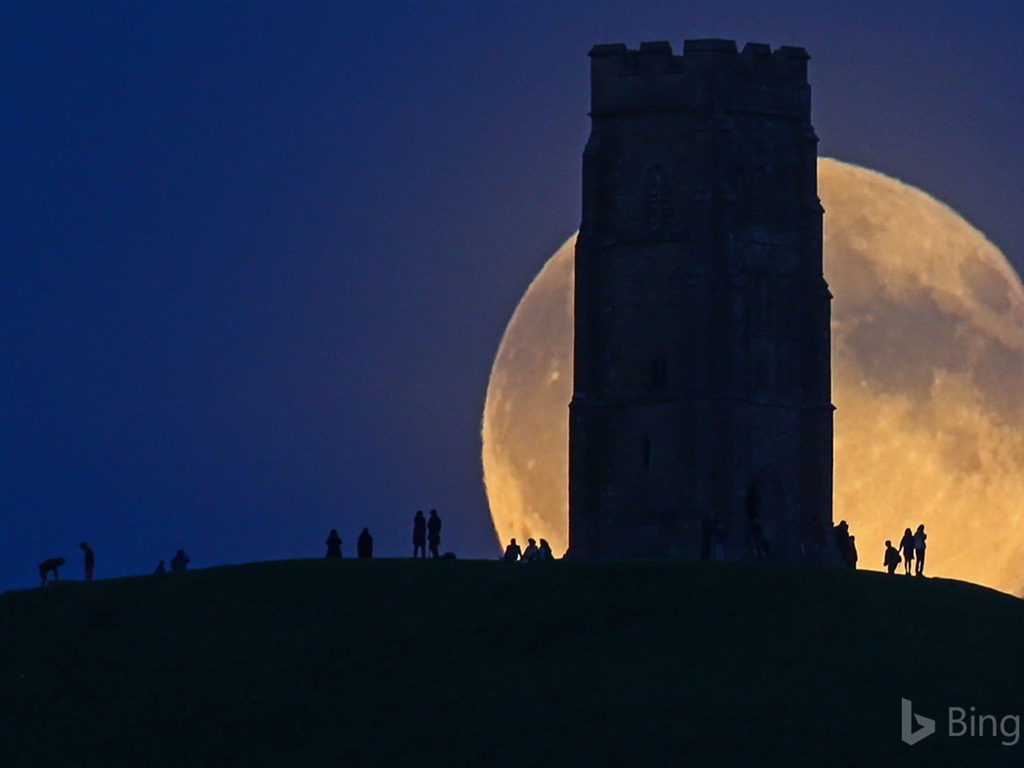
(402, 663)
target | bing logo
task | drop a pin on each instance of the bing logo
(962, 722)
(910, 736)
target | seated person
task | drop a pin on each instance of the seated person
(530, 553)
(512, 552)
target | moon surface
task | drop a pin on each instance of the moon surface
(928, 383)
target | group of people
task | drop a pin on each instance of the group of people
(534, 553)
(52, 565)
(913, 547)
(179, 563)
(426, 534)
(757, 545)
(364, 545)
(846, 543)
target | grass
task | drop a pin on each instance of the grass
(456, 663)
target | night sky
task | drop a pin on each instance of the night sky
(256, 259)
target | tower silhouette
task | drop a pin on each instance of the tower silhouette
(701, 405)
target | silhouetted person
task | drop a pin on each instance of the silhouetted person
(530, 553)
(907, 547)
(419, 535)
(919, 547)
(842, 534)
(90, 560)
(161, 569)
(851, 553)
(364, 545)
(544, 552)
(180, 561)
(434, 533)
(892, 557)
(333, 544)
(512, 553)
(50, 566)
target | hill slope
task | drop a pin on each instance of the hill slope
(477, 663)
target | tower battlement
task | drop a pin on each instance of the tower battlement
(655, 77)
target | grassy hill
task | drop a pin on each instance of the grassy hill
(451, 663)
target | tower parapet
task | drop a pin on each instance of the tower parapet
(653, 78)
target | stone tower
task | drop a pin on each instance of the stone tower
(701, 410)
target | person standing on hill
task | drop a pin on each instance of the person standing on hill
(851, 553)
(90, 560)
(842, 536)
(419, 535)
(907, 547)
(333, 544)
(434, 533)
(919, 547)
(364, 545)
(892, 557)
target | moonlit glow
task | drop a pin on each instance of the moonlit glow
(928, 382)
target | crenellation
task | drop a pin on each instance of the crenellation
(757, 52)
(603, 50)
(616, 59)
(655, 58)
(708, 46)
(659, 47)
(654, 79)
(792, 62)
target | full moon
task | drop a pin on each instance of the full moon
(927, 368)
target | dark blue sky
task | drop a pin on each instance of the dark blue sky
(256, 259)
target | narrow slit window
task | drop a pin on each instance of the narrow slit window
(657, 198)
